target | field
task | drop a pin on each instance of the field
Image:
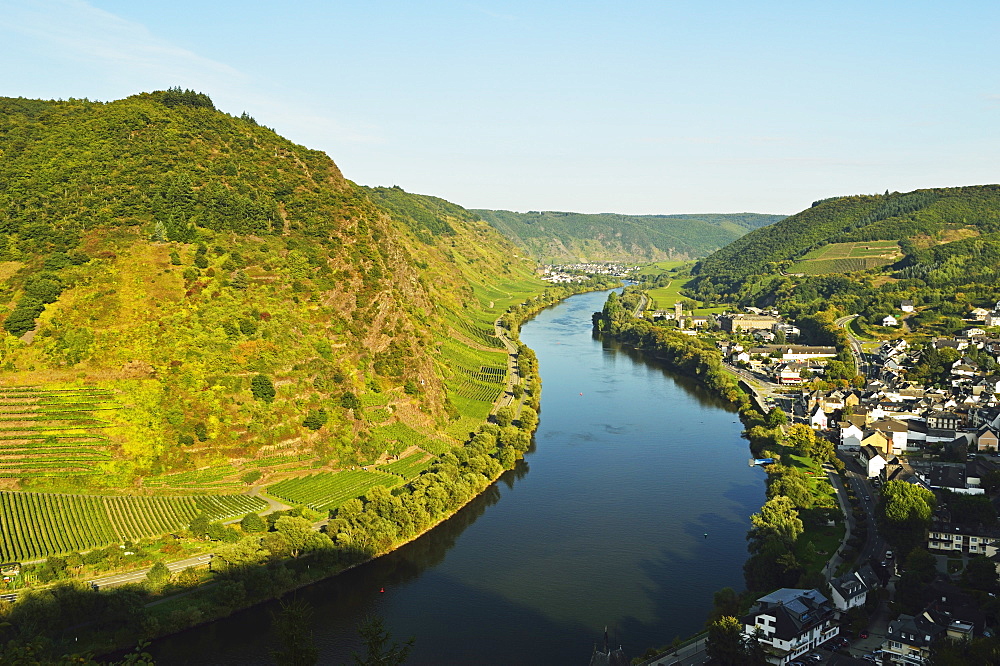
(38, 524)
(847, 257)
(663, 298)
(661, 267)
(55, 433)
(408, 467)
(325, 491)
(477, 378)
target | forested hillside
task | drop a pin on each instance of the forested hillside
(554, 237)
(865, 254)
(225, 305)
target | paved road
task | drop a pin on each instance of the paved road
(685, 656)
(860, 360)
(272, 504)
(140, 575)
(513, 370)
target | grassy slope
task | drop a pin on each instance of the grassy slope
(341, 297)
(926, 215)
(559, 237)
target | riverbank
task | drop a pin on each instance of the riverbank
(348, 543)
(617, 474)
(797, 495)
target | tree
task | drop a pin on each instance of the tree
(802, 438)
(725, 642)
(315, 419)
(158, 575)
(725, 603)
(378, 650)
(778, 519)
(981, 574)
(262, 388)
(253, 523)
(199, 526)
(292, 625)
(906, 512)
(776, 417)
(201, 431)
(505, 416)
(350, 401)
(239, 280)
(527, 419)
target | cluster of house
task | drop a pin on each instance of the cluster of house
(988, 317)
(790, 623)
(580, 272)
(885, 424)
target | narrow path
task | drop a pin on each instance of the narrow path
(272, 504)
(513, 372)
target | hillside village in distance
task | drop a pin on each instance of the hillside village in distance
(941, 436)
(580, 272)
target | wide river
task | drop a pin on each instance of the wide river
(629, 512)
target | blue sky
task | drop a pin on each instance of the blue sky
(672, 106)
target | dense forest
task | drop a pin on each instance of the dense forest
(556, 237)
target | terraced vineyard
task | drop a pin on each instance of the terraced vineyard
(328, 490)
(46, 432)
(222, 477)
(479, 375)
(36, 525)
(396, 437)
(847, 257)
(410, 466)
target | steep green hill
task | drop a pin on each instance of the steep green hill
(227, 307)
(554, 237)
(865, 254)
(926, 217)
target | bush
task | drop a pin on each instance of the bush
(262, 388)
(316, 419)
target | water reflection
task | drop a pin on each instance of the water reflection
(630, 468)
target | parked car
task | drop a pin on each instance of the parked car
(864, 634)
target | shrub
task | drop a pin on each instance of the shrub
(262, 388)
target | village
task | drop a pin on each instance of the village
(564, 273)
(893, 423)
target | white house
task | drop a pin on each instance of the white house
(889, 320)
(848, 591)
(791, 622)
(817, 418)
(895, 431)
(979, 314)
(850, 435)
(872, 460)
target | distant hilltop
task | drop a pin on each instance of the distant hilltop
(555, 237)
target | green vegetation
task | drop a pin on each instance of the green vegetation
(905, 512)
(939, 248)
(554, 237)
(193, 304)
(408, 467)
(847, 257)
(687, 355)
(326, 491)
(40, 524)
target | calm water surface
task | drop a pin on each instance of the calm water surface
(604, 524)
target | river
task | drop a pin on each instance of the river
(629, 512)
